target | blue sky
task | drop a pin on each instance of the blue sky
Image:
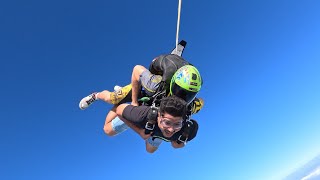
(259, 60)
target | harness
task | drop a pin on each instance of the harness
(152, 120)
(182, 136)
(154, 102)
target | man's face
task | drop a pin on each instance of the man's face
(169, 124)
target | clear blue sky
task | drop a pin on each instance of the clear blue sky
(260, 61)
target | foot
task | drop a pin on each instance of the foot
(86, 101)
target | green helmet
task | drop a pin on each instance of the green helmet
(186, 83)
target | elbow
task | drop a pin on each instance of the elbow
(151, 151)
(175, 147)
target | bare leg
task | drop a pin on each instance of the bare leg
(107, 125)
(104, 96)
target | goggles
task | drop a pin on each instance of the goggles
(168, 123)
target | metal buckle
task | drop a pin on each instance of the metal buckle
(149, 126)
(183, 141)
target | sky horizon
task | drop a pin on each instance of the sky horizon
(260, 63)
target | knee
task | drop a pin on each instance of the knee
(120, 109)
(105, 96)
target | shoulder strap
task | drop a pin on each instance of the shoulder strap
(185, 133)
(152, 120)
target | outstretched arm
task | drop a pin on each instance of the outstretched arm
(150, 148)
(137, 129)
(137, 71)
(152, 144)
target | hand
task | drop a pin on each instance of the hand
(134, 104)
(144, 135)
(177, 145)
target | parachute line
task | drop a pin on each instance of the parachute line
(178, 23)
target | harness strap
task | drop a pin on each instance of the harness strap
(152, 119)
(185, 134)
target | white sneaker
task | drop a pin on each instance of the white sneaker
(86, 101)
(117, 88)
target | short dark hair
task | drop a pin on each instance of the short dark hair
(174, 106)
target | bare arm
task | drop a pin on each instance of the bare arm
(137, 71)
(137, 129)
(152, 144)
